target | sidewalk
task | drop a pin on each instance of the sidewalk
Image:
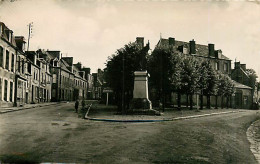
(26, 106)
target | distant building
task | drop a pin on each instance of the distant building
(242, 97)
(40, 80)
(98, 84)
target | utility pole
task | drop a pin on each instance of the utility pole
(30, 25)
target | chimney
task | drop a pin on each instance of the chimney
(140, 41)
(99, 71)
(171, 41)
(211, 50)
(87, 70)
(192, 47)
(237, 65)
(243, 66)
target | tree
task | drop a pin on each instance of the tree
(165, 72)
(252, 77)
(224, 88)
(190, 76)
(119, 72)
(203, 81)
(211, 81)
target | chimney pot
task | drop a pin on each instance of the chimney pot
(140, 41)
(211, 50)
(171, 41)
(192, 47)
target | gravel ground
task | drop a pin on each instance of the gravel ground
(56, 134)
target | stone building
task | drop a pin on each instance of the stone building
(242, 97)
(80, 82)
(217, 59)
(97, 84)
(61, 77)
(22, 75)
(208, 52)
(40, 80)
(8, 53)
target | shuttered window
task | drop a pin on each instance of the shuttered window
(7, 60)
(5, 90)
(11, 92)
(1, 81)
(1, 56)
(12, 63)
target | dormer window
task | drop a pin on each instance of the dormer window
(217, 65)
(10, 37)
(185, 51)
(1, 29)
(55, 63)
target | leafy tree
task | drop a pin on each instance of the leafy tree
(119, 72)
(165, 72)
(252, 77)
(203, 81)
(224, 88)
(211, 81)
(190, 76)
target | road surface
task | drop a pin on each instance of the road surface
(56, 134)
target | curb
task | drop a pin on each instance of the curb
(24, 108)
(162, 120)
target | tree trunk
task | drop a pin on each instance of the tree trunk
(179, 100)
(191, 102)
(227, 102)
(163, 101)
(187, 100)
(208, 101)
(201, 100)
(222, 102)
(216, 103)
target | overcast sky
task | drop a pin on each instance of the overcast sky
(90, 31)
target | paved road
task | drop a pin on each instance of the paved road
(56, 134)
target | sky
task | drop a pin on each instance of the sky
(90, 31)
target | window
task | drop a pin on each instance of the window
(11, 92)
(7, 60)
(226, 67)
(217, 65)
(245, 100)
(29, 68)
(5, 90)
(12, 63)
(23, 66)
(19, 64)
(1, 56)
(55, 64)
(0, 89)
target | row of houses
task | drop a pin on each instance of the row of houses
(245, 86)
(42, 75)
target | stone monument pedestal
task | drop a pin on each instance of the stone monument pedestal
(140, 103)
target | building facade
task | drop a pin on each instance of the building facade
(8, 53)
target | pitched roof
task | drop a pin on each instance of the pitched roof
(5, 34)
(239, 85)
(201, 50)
